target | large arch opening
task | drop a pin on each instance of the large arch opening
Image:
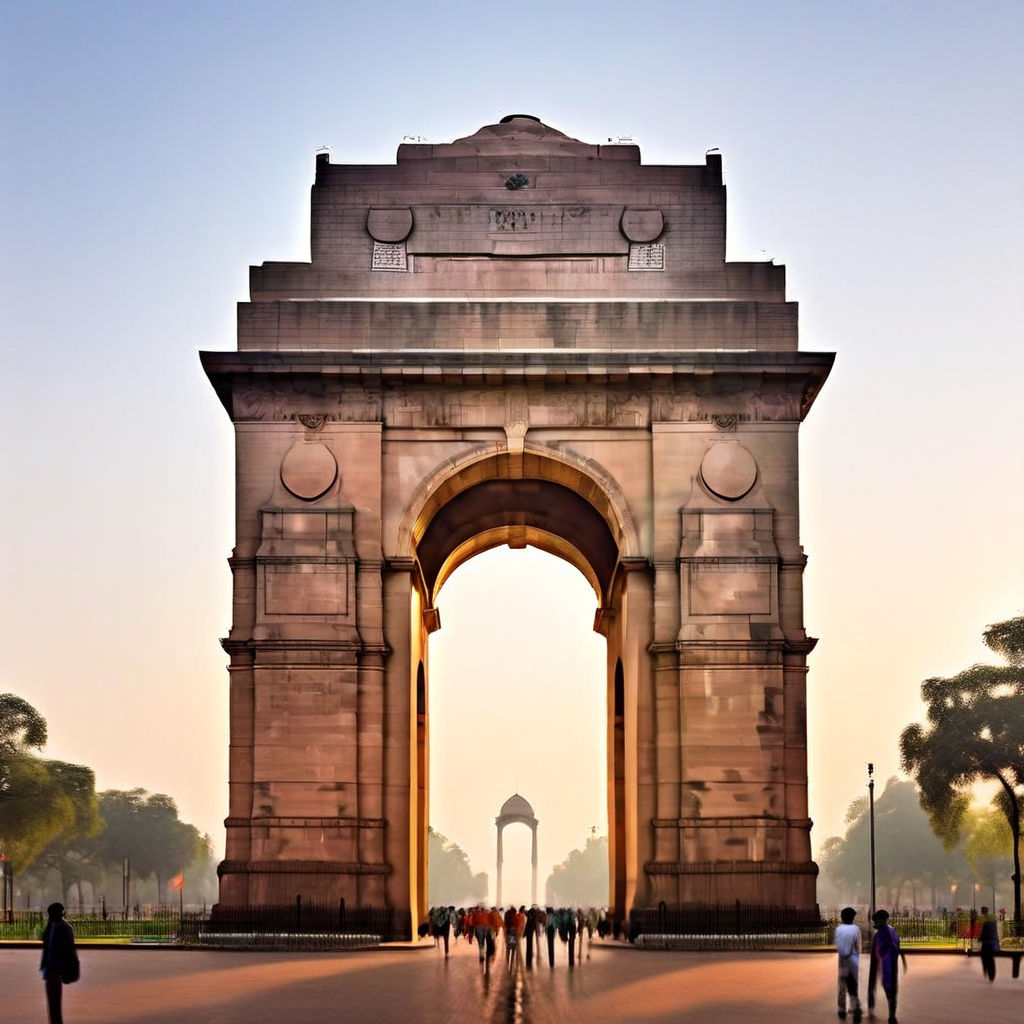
(494, 522)
(517, 705)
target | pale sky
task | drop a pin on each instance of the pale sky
(150, 153)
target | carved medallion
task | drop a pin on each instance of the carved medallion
(728, 470)
(309, 470)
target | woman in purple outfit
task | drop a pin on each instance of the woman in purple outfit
(885, 957)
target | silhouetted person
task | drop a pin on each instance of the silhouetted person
(885, 962)
(531, 933)
(989, 939)
(59, 963)
(440, 925)
(550, 925)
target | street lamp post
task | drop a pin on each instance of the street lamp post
(871, 821)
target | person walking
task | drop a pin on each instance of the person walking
(59, 964)
(550, 924)
(530, 935)
(885, 963)
(848, 941)
(440, 925)
(988, 937)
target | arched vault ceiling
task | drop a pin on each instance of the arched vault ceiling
(528, 504)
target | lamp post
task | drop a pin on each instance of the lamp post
(871, 821)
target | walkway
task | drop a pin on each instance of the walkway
(620, 985)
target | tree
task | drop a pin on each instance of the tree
(988, 845)
(581, 880)
(144, 827)
(450, 879)
(907, 852)
(66, 852)
(21, 728)
(975, 733)
(40, 800)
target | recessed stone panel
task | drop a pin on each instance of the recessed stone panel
(723, 589)
(306, 589)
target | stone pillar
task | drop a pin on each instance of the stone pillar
(500, 861)
(533, 866)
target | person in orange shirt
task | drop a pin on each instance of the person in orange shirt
(515, 925)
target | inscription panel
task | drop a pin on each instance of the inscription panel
(560, 229)
(647, 256)
(389, 256)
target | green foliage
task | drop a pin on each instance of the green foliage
(21, 728)
(907, 852)
(581, 880)
(450, 880)
(51, 820)
(988, 845)
(41, 801)
(975, 733)
(144, 827)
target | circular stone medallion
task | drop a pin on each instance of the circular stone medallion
(309, 470)
(728, 470)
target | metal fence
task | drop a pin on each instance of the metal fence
(738, 926)
(300, 925)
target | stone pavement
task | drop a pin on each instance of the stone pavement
(620, 984)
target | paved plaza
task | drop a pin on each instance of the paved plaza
(620, 984)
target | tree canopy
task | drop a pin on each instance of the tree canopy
(908, 855)
(145, 828)
(581, 880)
(975, 733)
(40, 800)
(21, 727)
(450, 879)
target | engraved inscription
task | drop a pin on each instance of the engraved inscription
(646, 257)
(388, 256)
(514, 219)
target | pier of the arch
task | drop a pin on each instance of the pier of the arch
(566, 360)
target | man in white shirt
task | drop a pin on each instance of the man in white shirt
(848, 940)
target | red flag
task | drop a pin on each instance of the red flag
(177, 882)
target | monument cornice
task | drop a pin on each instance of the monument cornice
(794, 371)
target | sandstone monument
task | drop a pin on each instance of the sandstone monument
(518, 338)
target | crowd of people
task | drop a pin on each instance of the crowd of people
(523, 932)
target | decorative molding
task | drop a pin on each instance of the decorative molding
(313, 421)
(311, 867)
(731, 867)
(726, 421)
(294, 822)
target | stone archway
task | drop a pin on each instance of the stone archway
(564, 360)
(536, 497)
(516, 810)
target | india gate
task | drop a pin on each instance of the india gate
(518, 338)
